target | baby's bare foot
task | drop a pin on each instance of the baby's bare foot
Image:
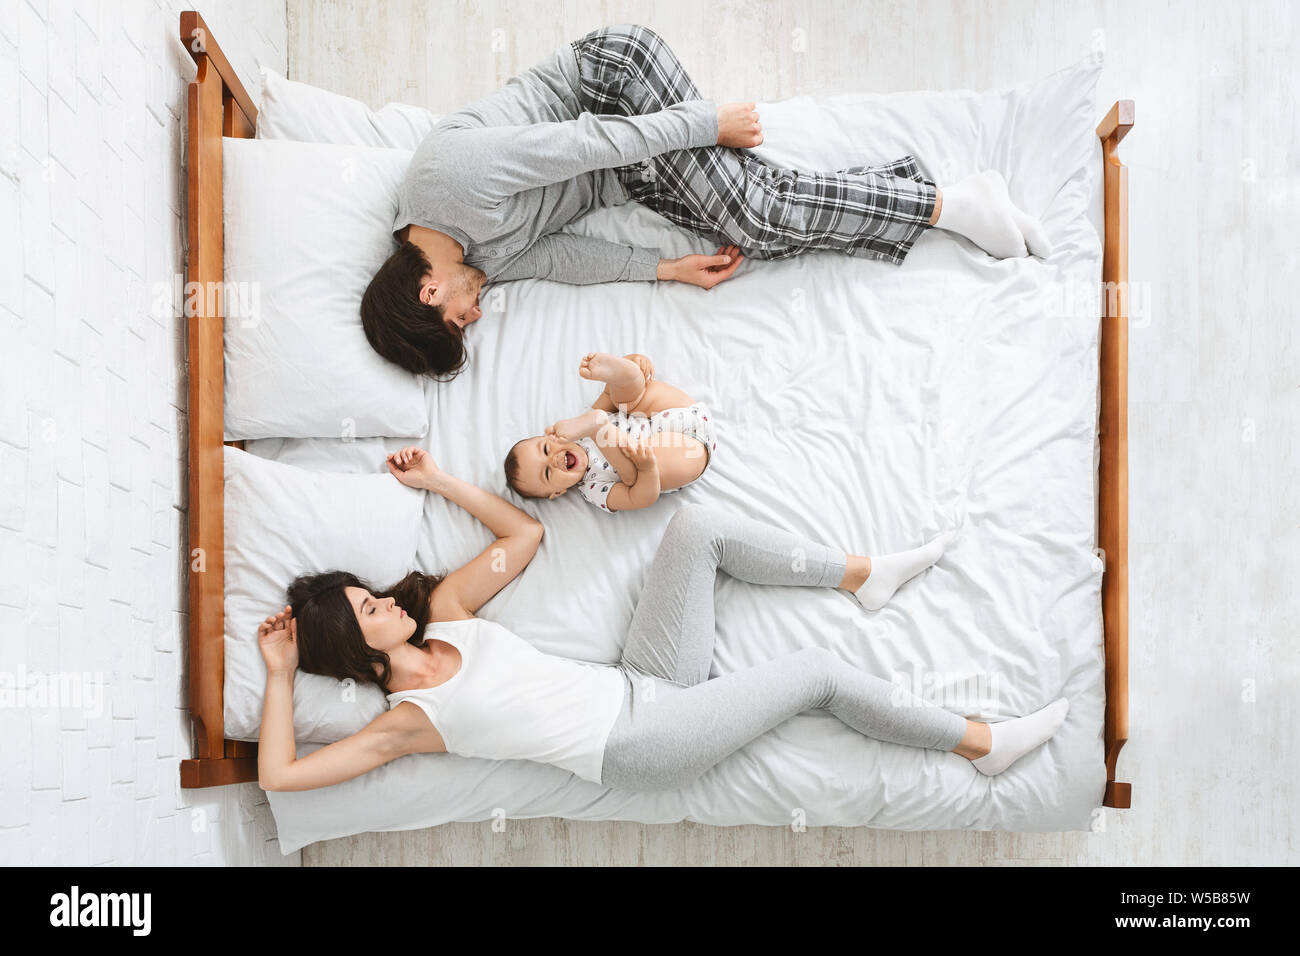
(603, 367)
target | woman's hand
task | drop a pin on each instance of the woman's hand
(415, 468)
(277, 637)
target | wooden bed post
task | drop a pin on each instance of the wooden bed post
(1112, 499)
(218, 106)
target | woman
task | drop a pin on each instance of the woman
(459, 684)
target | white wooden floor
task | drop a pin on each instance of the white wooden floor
(1214, 393)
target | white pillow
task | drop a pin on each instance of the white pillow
(292, 110)
(306, 227)
(283, 521)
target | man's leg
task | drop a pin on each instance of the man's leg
(731, 196)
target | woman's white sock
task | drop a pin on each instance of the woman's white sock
(1012, 739)
(979, 208)
(890, 571)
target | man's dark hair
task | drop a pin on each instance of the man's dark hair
(403, 329)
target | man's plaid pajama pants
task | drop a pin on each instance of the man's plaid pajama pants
(730, 195)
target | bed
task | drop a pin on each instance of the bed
(857, 402)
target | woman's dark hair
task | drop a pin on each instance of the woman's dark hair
(403, 329)
(330, 641)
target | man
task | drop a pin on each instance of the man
(613, 117)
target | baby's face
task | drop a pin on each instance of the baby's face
(549, 466)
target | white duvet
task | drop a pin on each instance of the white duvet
(858, 403)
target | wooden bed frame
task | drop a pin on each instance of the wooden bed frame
(220, 106)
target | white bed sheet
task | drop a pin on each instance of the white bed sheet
(857, 402)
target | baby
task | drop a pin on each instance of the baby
(640, 439)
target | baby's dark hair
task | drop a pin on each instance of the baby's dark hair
(512, 471)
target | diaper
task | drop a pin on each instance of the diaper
(695, 421)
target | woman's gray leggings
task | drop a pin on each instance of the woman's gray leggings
(676, 723)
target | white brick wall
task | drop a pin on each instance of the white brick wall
(92, 419)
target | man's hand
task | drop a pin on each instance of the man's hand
(703, 271)
(738, 126)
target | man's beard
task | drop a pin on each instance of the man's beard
(471, 279)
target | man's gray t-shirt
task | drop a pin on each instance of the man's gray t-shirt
(503, 174)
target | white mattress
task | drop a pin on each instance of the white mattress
(856, 402)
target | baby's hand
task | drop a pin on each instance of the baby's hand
(647, 367)
(641, 454)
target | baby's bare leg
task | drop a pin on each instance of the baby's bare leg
(656, 397)
(624, 381)
(659, 397)
(681, 458)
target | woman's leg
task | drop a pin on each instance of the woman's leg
(672, 630)
(671, 635)
(669, 737)
(730, 195)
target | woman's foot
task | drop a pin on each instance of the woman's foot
(979, 208)
(888, 572)
(1009, 740)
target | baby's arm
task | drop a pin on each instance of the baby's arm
(594, 424)
(644, 489)
(585, 425)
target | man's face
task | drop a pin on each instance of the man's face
(458, 295)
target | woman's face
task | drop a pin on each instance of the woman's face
(384, 624)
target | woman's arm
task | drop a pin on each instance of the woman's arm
(393, 734)
(518, 535)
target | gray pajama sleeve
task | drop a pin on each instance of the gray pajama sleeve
(582, 260)
(496, 162)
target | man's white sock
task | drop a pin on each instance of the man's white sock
(1012, 739)
(890, 571)
(1035, 235)
(979, 208)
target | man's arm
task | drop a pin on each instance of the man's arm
(584, 260)
(499, 161)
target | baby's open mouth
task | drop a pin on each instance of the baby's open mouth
(570, 461)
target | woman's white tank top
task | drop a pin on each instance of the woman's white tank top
(510, 701)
